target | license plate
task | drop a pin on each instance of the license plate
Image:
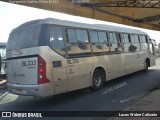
(19, 91)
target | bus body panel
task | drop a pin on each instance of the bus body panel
(152, 60)
(71, 74)
(30, 90)
(59, 77)
(12, 54)
(119, 67)
(79, 73)
(23, 72)
(140, 60)
(130, 62)
(107, 61)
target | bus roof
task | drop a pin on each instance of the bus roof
(79, 25)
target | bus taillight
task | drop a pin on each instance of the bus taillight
(42, 71)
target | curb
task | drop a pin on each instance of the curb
(3, 84)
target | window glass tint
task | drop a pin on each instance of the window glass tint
(115, 38)
(72, 44)
(99, 42)
(115, 46)
(25, 37)
(56, 40)
(143, 39)
(77, 42)
(136, 39)
(144, 44)
(111, 38)
(126, 43)
(126, 38)
(83, 42)
(82, 36)
(93, 36)
(71, 33)
(95, 42)
(132, 38)
(135, 45)
(103, 42)
(102, 37)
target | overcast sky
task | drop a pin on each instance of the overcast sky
(12, 15)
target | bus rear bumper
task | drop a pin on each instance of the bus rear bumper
(30, 90)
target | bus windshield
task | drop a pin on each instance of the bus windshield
(24, 38)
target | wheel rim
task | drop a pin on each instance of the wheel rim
(97, 80)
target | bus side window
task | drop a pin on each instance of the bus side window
(114, 43)
(103, 41)
(126, 42)
(78, 43)
(132, 47)
(95, 42)
(119, 42)
(83, 41)
(144, 44)
(136, 42)
(56, 40)
(111, 41)
(72, 44)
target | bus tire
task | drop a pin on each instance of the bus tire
(98, 79)
(146, 65)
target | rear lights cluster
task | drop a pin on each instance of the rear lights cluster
(42, 71)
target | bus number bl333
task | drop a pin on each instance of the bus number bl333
(72, 61)
(29, 63)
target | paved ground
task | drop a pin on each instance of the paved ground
(150, 103)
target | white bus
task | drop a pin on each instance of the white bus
(49, 56)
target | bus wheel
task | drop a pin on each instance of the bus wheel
(146, 65)
(98, 79)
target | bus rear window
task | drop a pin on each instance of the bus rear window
(24, 38)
